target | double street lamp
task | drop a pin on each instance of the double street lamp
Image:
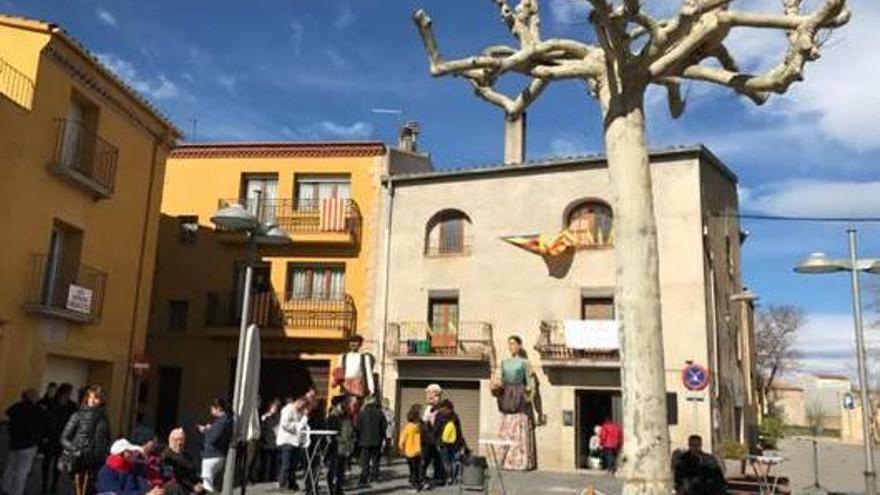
(819, 263)
(236, 218)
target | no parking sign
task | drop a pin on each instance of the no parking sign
(695, 377)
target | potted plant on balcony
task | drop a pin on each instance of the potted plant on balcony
(733, 454)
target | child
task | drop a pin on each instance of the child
(410, 444)
(451, 440)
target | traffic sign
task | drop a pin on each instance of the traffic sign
(695, 377)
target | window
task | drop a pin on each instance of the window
(591, 222)
(446, 233)
(311, 189)
(178, 314)
(597, 308)
(315, 281)
(672, 408)
(187, 229)
(78, 138)
(62, 264)
(443, 314)
(258, 194)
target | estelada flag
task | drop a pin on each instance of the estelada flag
(539, 244)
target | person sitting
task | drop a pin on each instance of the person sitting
(125, 472)
(179, 462)
(697, 472)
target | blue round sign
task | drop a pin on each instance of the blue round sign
(695, 377)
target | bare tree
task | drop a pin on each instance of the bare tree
(776, 328)
(633, 51)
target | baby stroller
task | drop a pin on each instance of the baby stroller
(473, 474)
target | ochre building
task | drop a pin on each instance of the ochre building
(83, 160)
(308, 295)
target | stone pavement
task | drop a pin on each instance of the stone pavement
(531, 483)
(841, 465)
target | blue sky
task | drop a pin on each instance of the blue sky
(309, 69)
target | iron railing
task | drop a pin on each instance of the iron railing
(272, 310)
(551, 345)
(300, 216)
(16, 86)
(417, 338)
(83, 155)
(67, 290)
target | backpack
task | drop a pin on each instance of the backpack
(450, 434)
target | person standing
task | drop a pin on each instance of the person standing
(516, 395)
(60, 409)
(452, 443)
(610, 439)
(354, 372)
(371, 437)
(410, 445)
(217, 436)
(48, 396)
(293, 437)
(268, 462)
(342, 445)
(181, 463)
(430, 444)
(388, 448)
(86, 440)
(25, 433)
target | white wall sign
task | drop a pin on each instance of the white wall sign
(79, 299)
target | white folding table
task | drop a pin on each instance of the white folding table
(762, 466)
(319, 443)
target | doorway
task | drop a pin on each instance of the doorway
(592, 407)
(168, 401)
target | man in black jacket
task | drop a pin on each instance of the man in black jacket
(181, 463)
(371, 425)
(217, 436)
(26, 420)
(696, 472)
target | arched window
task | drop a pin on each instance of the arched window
(592, 224)
(447, 233)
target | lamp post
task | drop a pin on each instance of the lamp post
(236, 218)
(819, 263)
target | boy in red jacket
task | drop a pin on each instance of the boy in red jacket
(610, 439)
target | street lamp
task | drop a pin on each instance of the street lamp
(236, 218)
(819, 263)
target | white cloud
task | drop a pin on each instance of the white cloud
(106, 17)
(799, 197)
(328, 129)
(335, 58)
(228, 82)
(563, 146)
(827, 343)
(159, 87)
(569, 12)
(298, 33)
(345, 17)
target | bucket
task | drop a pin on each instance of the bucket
(473, 472)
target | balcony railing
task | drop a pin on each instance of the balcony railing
(553, 347)
(71, 291)
(16, 86)
(305, 216)
(416, 339)
(85, 157)
(271, 310)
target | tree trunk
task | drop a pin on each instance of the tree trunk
(645, 459)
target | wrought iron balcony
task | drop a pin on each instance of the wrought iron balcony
(307, 220)
(16, 86)
(417, 340)
(554, 349)
(85, 157)
(296, 316)
(71, 291)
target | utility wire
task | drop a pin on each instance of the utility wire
(783, 218)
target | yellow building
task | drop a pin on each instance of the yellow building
(309, 295)
(83, 159)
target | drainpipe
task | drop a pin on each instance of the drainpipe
(128, 423)
(382, 344)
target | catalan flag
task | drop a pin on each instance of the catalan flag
(539, 244)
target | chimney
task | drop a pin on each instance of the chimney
(515, 140)
(408, 139)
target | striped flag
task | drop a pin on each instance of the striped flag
(332, 214)
(539, 244)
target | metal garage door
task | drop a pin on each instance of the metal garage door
(465, 395)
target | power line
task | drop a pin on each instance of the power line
(783, 218)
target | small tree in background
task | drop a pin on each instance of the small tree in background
(776, 329)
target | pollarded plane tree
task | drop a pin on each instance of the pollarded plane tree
(633, 51)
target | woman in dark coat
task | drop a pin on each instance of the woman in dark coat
(58, 413)
(86, 440)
